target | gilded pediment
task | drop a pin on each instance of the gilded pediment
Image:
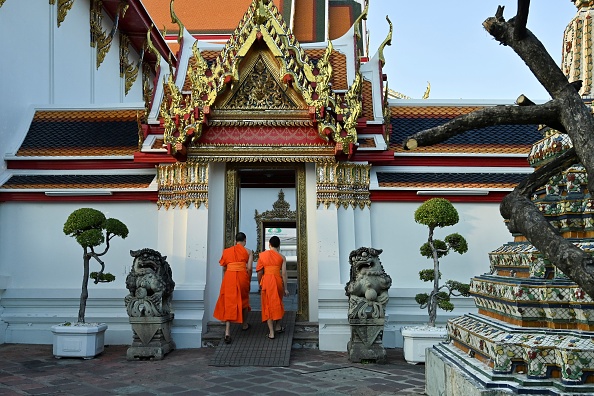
(260, 90)
(261, 77)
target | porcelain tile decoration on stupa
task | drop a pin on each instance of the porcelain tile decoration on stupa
(534, 331)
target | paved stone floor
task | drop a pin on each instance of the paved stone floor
(32, 370)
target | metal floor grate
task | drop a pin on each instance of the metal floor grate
(253, 348)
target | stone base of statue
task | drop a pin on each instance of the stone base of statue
(151, 339)
(366, 341)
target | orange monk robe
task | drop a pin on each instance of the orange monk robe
(235, 287)
(272, 285)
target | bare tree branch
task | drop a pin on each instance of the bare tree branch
(521, 19)
(566, 113)
(526, 218)
(541, 176)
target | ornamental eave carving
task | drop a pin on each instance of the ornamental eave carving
(295, 83)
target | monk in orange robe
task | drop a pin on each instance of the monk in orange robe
(234, 298)
(272, 277)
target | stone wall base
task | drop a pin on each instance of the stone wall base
(448, 371)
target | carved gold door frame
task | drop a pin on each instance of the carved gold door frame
(232, 187)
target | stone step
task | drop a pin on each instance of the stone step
(305, 335)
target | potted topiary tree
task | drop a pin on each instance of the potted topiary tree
(91, 229)
(434, 213)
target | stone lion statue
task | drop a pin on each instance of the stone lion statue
(150, 284)
(368, 286)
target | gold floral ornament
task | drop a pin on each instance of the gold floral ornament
(185, 114)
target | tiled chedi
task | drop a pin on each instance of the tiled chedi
(533, 319)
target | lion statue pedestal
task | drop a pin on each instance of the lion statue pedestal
(149, 305)
(367, 290)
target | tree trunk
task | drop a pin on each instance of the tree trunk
(84, 294)
(433, 296)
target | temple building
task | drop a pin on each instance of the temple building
(271, 117)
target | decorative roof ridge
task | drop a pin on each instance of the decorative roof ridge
(185, 115)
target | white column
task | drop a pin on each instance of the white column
(334, 329)
(347, 237)
(363, 227)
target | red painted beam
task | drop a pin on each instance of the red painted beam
(115, 197)
(152, 158)
(513, 162)
(76, 164)
(411, 196)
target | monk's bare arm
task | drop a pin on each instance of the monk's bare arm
(284, 274)
(250, 262)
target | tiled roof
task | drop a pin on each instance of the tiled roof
(367, 93)
(78, 181)
(502, 139)
(200, 16)
(449, 180)
(340, 19)
(81, 133)
(338, 62)
(208, 55)
(304, 26)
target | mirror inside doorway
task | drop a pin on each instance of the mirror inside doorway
(267, 207)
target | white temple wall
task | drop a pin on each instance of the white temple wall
(395, 231)
(42, 269)
(51, 66)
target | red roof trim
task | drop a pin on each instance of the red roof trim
(151, 196)
(411, 196)
(474, 161)
(76, 164)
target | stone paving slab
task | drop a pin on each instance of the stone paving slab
(33, 370)
(253, 348)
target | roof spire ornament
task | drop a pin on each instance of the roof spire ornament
(577, 47)
(387, 41)
(175, 19)
(152, 48)
(261, 13)
(360, 18)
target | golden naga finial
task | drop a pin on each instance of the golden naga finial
(427, 91)
(152, 48)
(583, 3)
(175, 19)
(261, 13)
(361, 17)
(387, 41)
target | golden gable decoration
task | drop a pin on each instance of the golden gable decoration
(261, 31)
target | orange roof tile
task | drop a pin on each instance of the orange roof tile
(432, 111)
(201, 16)
(338, 62)
(77, 152)
(86, 115)
(72, 133)
(367, 100)
(428, 186)
(500, 139)
(464, 149)
(340, 20)
(304, 26)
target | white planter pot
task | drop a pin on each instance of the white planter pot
(79, 340)
(419, 338)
